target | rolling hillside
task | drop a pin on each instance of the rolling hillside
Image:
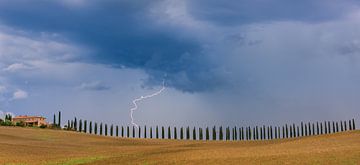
(42, 146)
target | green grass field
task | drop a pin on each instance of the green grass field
(43, 146)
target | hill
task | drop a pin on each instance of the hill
(43, 146)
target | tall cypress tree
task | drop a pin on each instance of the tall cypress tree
(350, 125)
(90, 127)
(276, 133)
(139, 132)
(188, 133)
(122, 131)
(220, 133)
(72, 125)
(169, 132)
(151, 133)
(341, 126)
(321, 128)
(175, 133)
(329, 126)
(162, 132)
(345, 126)
(302, 129)
(133, 132)
(68, 125)
(261, 133)
(96, 128)
(298, 131)
(249, 132)
(325, 127)
(80, 125)
(214, 133)
(101, 129)
(291, 133)
(337, 127)
(283, 132)
(145, 132)
(157, 132)
(194, 134)
(317, 128)
(309, 129)
(313, 129)
(111, 130)
(306, 131)
(75, 124)
(85, 126)
(207, 133)
(333, 126)
(181, 133)
(54, 122)
(117, 131)
(106, 130)
(200, 134)
(353, 122)
(59, 122)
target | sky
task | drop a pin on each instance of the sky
(243, 62)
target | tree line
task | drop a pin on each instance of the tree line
(212, 133)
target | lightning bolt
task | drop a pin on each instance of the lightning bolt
(142, 98)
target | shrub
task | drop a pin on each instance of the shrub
(43, 126)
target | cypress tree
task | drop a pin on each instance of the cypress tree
(249, 132)
(181, 133)
(242, 133)
(283, 132)
(157, 132)
(302, 129)
(72, 124)
(325, 125)
(309, 129)
(54, 122)
(169, 132)
(80, 125)
(200, 134)
(175, 133)
(111, 130)
(226, 133)
(117, 131)
(96, 128)
(329, 127)
(162, 132)
(298, 131)
(90, 127)
(287, 131)
(75, 124)
(122, 131)
(341, 126)
(101, 129)
(350, 125)
(207, 133)
(106, 130)
(333, 126)
(127, 131)
(321, 128)
(235, 133)
(59, 122)
(220, 133)
(345, 126)
(291, 133)
(145, 131)
(261, 133)
(139, 132)
(279, 132)
(317, 128)
(306, 131)
(133, 132)
(254, 133)
(264, 132)
(294, 131)
(68, 125)
(188, 133)
(353, 122)
(313, 129)
(151, 135)
(276, 133)
(194, 134)
(85, 126)
(214, 133)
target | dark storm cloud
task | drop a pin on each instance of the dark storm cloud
(232, 12)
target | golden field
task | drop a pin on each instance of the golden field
(44, 146)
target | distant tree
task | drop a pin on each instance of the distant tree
(68, 125)
(80, 125)
(250, 133)
(353, 122)
(341, 126)
(151, 133)
(127, 131)
(294, 131)
(302, 129)
(96, 128)
(283, 132)
(317, 128)
(72, 125)
(169, 133)
(122, 131)
(321, 128)
(133, 132)
(276, 133)
(200, 134)
(337, 127)
(291, 134)
(106, 130)
(207, 136)
(101, 128)
(59, 122)
(117, 131)
(333, 126)
(227, 133)
(162, 132)
(187, 133)
(329, 126)
(194, 134)
(145, 131)
(309, 129)
(90, 127)
(181, 133)
(306, 130)
(139, 132)
(157, 132)
(345, 126)
(85, 126)
(175, 133)
(261, 133)
(75, 124)
(298, 131)
(214, 133)
(240, 134)
(350, 125)
(220, 133)
(254, 133)
(111, 130)
(54, 122)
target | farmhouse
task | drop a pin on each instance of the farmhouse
(30, 120)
